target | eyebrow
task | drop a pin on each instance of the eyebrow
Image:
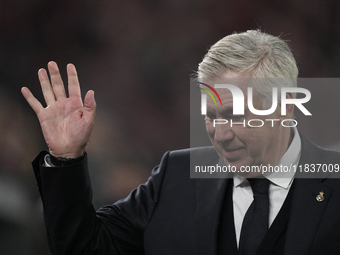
(227, 111)
(224, 112)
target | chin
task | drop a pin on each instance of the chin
(249, 175)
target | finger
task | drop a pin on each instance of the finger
(46, 86)
(32, 101)
(90, 106)
(89, 102)
(57, 82)
(73, 82)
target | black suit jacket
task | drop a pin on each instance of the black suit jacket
(173, 214)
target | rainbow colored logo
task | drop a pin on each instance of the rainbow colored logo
(212, 89)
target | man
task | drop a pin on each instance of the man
(173, 214)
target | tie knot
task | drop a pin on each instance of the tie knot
(259, 185)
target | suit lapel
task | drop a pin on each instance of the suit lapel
(306, 212)
(209, 199)
(210, 193)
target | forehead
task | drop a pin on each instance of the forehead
(225, 94)
(213, 87)
(241, 83)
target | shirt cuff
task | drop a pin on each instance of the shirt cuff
(47, 161)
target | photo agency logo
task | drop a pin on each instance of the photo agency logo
(238, 108)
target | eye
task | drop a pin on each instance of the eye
(237, 117)
(209, 117)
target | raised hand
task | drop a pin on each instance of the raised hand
(66, 122)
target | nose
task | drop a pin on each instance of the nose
(223, 133)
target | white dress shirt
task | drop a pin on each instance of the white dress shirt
(278, 188)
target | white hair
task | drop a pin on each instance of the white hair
(252, 54)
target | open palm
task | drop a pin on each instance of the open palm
(66, 122)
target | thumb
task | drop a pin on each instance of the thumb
(89, 102)
(90, 107)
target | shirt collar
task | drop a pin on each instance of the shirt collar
(290, 159)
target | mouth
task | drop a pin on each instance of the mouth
(231, 154)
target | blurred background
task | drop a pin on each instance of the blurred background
(138, 57)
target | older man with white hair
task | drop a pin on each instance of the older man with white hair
(173, 213)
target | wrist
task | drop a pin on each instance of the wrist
(67, 155)
(61, 161)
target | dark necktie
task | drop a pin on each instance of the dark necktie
(255, 222)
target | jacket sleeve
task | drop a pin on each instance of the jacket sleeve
(72, 224)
